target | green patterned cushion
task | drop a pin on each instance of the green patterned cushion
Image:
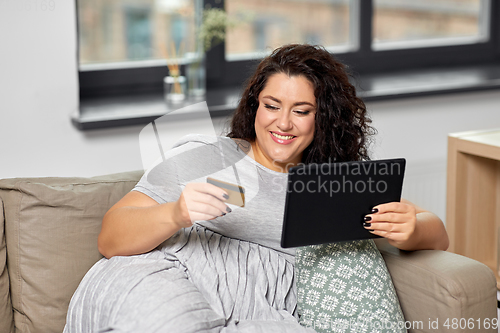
(345, 287)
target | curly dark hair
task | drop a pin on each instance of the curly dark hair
(342, 126)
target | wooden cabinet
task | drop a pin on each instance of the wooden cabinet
(473, 196)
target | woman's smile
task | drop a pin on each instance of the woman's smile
(282, 138)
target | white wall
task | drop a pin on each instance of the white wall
(417, 129)
(39, 92)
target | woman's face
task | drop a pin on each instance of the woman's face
(284, 123)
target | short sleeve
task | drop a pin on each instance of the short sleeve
(192, 159)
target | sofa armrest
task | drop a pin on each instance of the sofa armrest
(436, 288)
(6, 315)
(51, 230)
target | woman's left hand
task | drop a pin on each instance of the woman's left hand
(407, 226)
(395, 221)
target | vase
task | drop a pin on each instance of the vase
(196, 77)
(174, 89)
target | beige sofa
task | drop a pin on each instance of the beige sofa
(48, 240)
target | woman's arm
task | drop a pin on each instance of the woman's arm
(408, 227)
(137, 224)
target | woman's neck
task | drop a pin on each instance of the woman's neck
(260, 157)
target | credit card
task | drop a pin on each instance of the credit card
(236, 192)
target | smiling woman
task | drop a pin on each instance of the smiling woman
(181, 258)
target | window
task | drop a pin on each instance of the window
(374, 36)
(403, 24)
(265, 25)
(120, 31)
(122, 42)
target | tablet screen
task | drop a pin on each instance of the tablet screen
(327, 203)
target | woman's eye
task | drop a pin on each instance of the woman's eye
(270, 107)
(302, 113)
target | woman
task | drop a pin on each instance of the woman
(182, 259)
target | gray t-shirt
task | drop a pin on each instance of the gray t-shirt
(196, 157)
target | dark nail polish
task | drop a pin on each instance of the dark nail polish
(228, 209)
(367, 225)
(375, 210)
(225, 196)
(223, 214)
(368, 218)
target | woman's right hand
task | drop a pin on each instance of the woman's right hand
(137, 223)
(200, 201)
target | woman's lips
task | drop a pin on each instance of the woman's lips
(280, 140)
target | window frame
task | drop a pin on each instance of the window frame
(229, 74)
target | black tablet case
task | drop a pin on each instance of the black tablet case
(315, 216)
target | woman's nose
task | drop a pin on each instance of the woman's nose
(284, 122)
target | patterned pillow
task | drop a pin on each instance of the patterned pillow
(345, 287)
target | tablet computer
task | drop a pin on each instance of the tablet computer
(327, 203)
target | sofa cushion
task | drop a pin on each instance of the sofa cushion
(6, 323)
(51, 229)
(346, 287)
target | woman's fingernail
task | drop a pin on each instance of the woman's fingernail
(223, 214)
(368, 218)
(375, 210)
(367, 225)
(225, 196)
(228, 209)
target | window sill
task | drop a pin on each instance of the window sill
(135, 110)
(119, 111)
(428, 82)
